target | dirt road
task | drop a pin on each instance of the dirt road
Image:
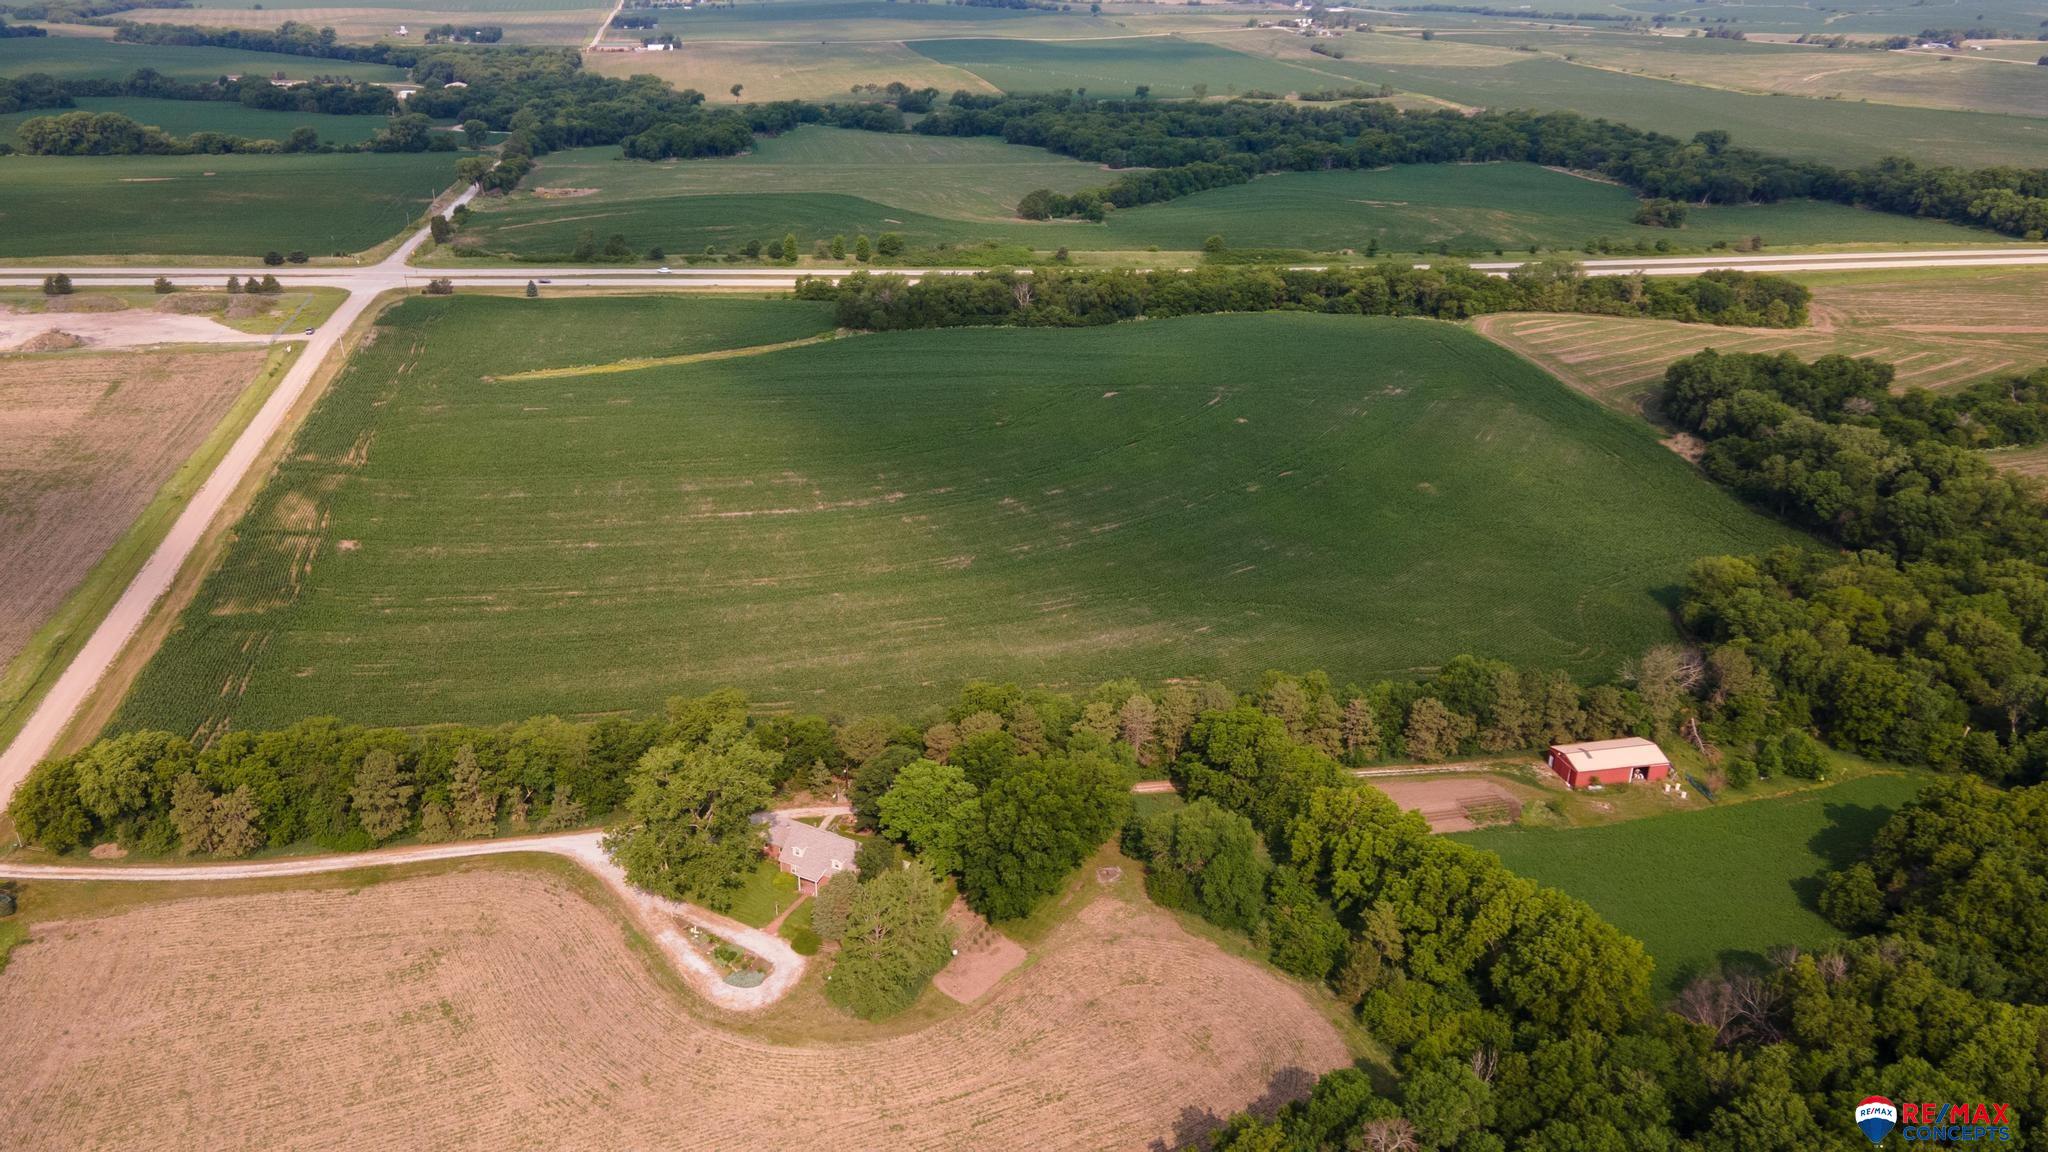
(656, 915)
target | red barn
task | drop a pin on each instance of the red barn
(1630, 758)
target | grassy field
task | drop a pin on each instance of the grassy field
(213, 205)
(1801, 70)
(1870, 18)
(1171, 65)
(820, 182)
(184, 117)
(855, 524)
(787, 71)
(968, 178)
(568, 22)
(813, 20)
(1478, 207)
(1941, 327)
(1834, 131)
(82, 58)
(1674, 883)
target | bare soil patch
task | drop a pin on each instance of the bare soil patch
(1452, 803)
(51, 341)
(85, 443)
(122, 328)
(497, 1008)
(981, 956)
(563, 193)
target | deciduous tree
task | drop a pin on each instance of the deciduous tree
(692, 836)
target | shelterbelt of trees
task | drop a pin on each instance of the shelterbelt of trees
(1067, 298)
(1925, 638)
(113, 134)
(1512, 1014)
(1190, 147)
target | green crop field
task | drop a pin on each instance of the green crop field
(814, 20)
(1476, 207)
(83, 58)
(212, 205)
(1171, 65)
(1923, 80)
(1834, 131)
(1870, 18)
(821, 182)
(184, 117)
(970, 178)
(873, 520)
(1704, 888)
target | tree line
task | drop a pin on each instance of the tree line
(1924, 639)
(113, 134)
(309, 782)
(335, 96)
(1235, 141)
(1057, 297)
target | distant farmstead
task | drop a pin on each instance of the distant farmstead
(1604, 762)
(812, 855)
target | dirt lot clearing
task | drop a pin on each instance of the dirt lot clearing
(86, 441)
(493, 1008)
(1452, 803)
(130, 328)
(981, 956)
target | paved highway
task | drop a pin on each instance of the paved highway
(365, 282)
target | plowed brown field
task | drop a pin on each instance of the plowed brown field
(500, 1009)
(86, 441)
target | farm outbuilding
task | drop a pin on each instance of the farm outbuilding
(1603, 762)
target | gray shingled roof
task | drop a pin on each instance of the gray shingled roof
(811, 853)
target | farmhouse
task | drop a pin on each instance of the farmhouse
(1609, 762)
(812, 855)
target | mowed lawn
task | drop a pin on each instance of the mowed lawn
(213, 205)
(1722, 885)
(869, 522)
(184, 117)
(824, 182)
